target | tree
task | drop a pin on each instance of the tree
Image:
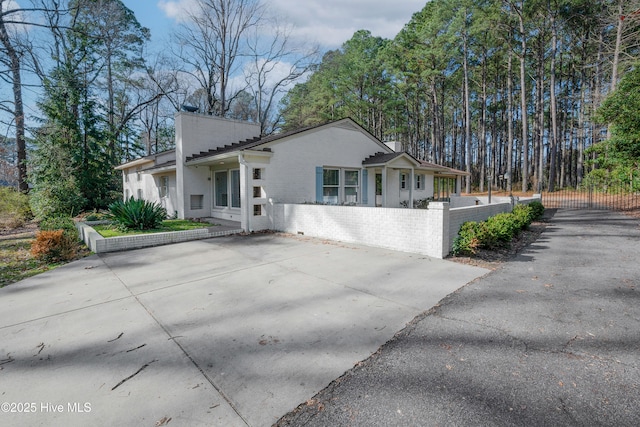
(210, 43)
(621, 110)
(12, 53)
(275, 65)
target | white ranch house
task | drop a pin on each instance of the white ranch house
(223, 169)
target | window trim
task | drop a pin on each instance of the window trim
(356, 186)
(403, 181)
(341, 186)
(164, 187)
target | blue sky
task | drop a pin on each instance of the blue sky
(328, 23)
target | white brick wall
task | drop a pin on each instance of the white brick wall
(459, 216)
(423, 231)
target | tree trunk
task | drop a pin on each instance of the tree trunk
(552, 99)
(467, 113)
(18, 106)
(523, 107)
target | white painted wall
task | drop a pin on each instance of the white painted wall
(423, 231)
(196, 133)
(290, 176)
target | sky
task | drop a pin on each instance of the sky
(328, 23)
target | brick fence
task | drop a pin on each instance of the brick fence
(425, 231)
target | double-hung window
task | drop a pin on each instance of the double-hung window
(351, 186)
(331, 186)
(403, 181)
(340, 186)
(419, 182)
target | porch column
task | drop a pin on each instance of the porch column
(384, 186)
(411, 179)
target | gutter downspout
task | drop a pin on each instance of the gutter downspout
(246, 208)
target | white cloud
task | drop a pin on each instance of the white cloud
(326, 22)
(333, 22)
(177, 9)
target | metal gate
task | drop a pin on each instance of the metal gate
(607, 197)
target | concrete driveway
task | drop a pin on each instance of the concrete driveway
(231, 331)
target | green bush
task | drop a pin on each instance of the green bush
(496, 231)
(137, 214)
(14, 208)
(523, 215)
(63, 223)
(501, 228)
(537, 210)
(468, 239)
(50, 199)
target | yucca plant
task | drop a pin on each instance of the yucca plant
(137, 214)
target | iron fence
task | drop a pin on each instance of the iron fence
(605, 197)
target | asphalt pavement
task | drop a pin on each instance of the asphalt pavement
(550, 339)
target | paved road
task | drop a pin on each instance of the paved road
(551, 339)
(230, 331)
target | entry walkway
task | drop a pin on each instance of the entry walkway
(551, 339)
(232, 331)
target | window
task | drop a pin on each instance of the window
(419, 182)
(235, 188)
(257, 192)
(403, 181)
(164, 186)
(257, 173)
(351, 186)
(197, 201)
(227, 186)
(222, 189)
(330, 186)
(257, 210)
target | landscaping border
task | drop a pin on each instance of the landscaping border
(99, 244)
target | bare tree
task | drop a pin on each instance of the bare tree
(275, 66)
(210, 44)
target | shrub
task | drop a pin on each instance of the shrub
(63, 223)
(468, 239)
(537, 210)
(137, 214)
(54, 246)
(497, 231)
(14, 208)
(523, 215)
(50, 199)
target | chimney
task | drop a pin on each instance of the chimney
(394, 145)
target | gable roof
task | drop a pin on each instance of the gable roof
(259, 141)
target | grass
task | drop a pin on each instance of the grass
(168, 225)
(16, 262)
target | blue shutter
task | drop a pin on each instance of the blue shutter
(319, 175)
(365, 187)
